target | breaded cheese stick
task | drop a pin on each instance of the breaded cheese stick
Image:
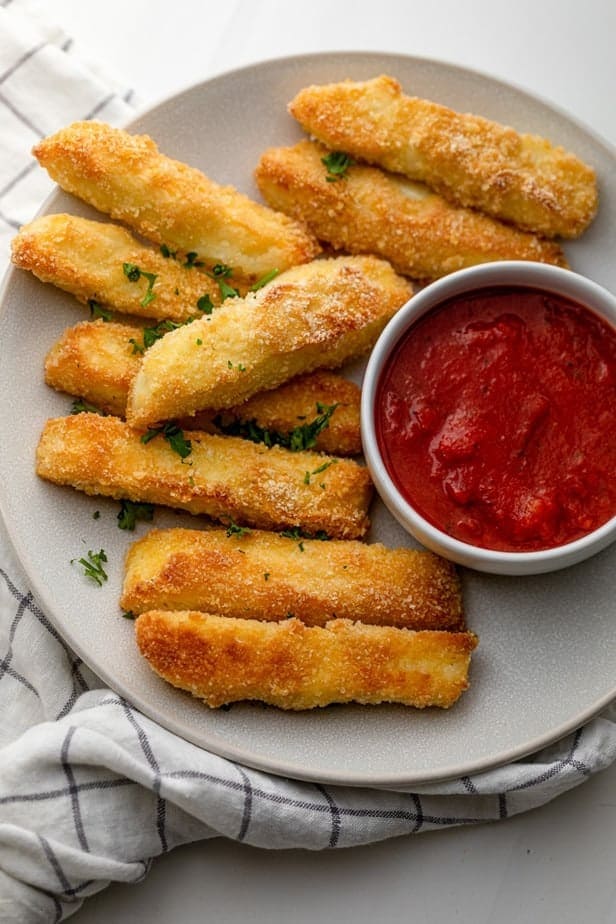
(97, 361)
(369, 211)
(267, 576)
(168, 202)
(315, 316)
(88, 259)
(470, 160)
(224, 477)
(292, 666)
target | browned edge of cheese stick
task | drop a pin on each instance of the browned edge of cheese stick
(287, 664)
(224, 477)
(319, 315)
(269, 576)
(87, 259)
(96, 361)
(369, 211)
(521, 178)
(171, 203)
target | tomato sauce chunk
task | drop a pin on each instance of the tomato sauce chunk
(496, 418)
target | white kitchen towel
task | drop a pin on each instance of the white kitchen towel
(90, 789)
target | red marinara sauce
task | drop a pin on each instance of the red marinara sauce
(497, 418)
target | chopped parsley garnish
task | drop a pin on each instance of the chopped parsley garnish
(174, 436)
(337, 163)
(134, 274)
(131, 511)
(93, 567)
(234, 530)
(298, 533)
(220, 272)
(97, 311)
(79, 406)
(205, 304)
(239, 366)
(96, 515)
(152, 334)
(301, 437)
(263, 281)
(192, 259)
(199, 341)
(128, 614)
(166, 252)
(317, 471)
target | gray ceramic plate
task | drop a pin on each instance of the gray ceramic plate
(547, 656)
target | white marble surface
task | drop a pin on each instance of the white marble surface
(555, 864)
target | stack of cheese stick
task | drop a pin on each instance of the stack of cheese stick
(217, 396)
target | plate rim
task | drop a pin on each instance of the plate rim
(281, 767)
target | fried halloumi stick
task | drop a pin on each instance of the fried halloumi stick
(470, 160)
(292, 666)
(369, 211)
(225, 477)
(168, 202)
(315, 316)
(87, 259)
(97, 361)
(268, 576)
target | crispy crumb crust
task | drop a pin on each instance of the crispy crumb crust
(168, 202)
(470, 160)
(292, 666)
(268, 576)
(96, 361)
(86, 258)
(315, 316)
(225, 477)
(369, 211)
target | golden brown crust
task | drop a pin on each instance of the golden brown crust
(471, 161)
(295, 404)
(267, 576)
(96, 361)
(168, 202)
(368, 211)
(86, 258)
(226, 478)
(315, 316)
(292, 666)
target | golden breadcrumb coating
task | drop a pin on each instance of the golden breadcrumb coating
(297, 404)
(224, 477)
(86, 258)
(315, 316)
(97, 361)
(267, 576)
(369, 211)
(168, 202)
(293, 666)
(470, 160)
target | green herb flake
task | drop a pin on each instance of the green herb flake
(300, 438)
(134, 274)
(307, 478)
(263, 281)
(93, 566)
(152, 334)
(220, 272)
(96, 515)
(205, 304)
(233, 529)
(128, 614)
(199, 341)
(131, 511)
(79, 406)
(167, 253)
(97, 311)
(266, 575)
(192, 259)
(174, 436)
(337, 164)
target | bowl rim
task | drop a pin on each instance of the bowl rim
(525, 274)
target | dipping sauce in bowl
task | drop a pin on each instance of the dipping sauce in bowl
(489, 419)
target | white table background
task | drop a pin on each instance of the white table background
(555, 864)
